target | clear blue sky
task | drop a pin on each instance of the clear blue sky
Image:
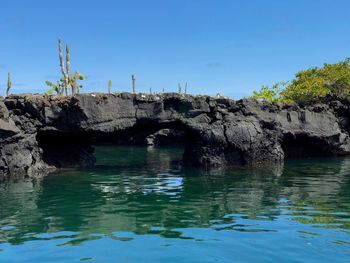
(215, 45)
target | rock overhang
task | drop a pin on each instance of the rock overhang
(217, 131)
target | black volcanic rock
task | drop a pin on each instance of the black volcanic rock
(165, 137)
(39, 133)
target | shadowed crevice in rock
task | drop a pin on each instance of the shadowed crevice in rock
(166, 137)
(66, 150)
(301, 146)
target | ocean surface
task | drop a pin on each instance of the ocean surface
(141, 205)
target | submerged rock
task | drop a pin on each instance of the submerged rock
(39, 133)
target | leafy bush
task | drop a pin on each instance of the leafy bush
(270, 94)
(311, 85)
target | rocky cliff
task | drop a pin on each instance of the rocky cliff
(39, 134)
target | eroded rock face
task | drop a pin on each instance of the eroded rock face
(38, 133)
(20, 153)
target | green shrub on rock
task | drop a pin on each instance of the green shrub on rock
(311, 86)
(268, 94)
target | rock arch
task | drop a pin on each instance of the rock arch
(215, 131)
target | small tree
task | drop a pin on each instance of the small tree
(266, 94)
(312, 85)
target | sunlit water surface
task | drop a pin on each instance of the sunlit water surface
(141, 205)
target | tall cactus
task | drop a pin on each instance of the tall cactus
(63, 70)
(186, 88)
(68, 59)
(179, 87)
(133, 79)
(9, 84)
(109, 87)
(69, 81)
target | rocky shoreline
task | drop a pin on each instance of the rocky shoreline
(39, 134)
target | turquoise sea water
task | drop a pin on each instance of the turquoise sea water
(141, 205)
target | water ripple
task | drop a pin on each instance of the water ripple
(136, 200)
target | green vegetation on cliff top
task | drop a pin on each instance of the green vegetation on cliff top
(311, 86)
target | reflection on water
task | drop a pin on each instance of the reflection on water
(141, 204)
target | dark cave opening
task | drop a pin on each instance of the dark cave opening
(66, 150)
(303, 146)
(77, 149)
